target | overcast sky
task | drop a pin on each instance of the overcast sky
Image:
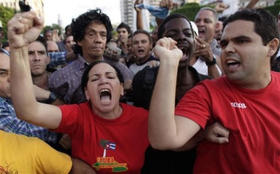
(68, 9)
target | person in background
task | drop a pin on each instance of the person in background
(8, 119)
(48, 35)
(112, 55)
(124, 32)
(69, 43)
(141, 47)
(207, 52)
(90, 30)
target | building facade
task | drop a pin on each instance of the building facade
(127, 12)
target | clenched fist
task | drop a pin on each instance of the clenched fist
(24, 28)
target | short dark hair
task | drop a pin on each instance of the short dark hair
(79, 25)
(215, 14)
(143, 32)
(42, 40)
(49, 30)
(265, 23)
(86, 72)
(124, 25)
(161, 28)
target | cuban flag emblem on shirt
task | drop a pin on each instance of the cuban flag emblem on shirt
(111, 146)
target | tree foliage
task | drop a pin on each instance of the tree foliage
(5, 15)
(190, 9)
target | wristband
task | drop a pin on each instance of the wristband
(213, 62)
(51, 98)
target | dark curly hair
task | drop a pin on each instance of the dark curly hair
(79, 25)
(162, 29)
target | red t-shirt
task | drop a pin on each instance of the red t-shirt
(108, 145)
(253, 118)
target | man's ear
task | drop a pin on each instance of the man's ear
(217, 25)
(80, 43)
(48, 60)
(273, 46)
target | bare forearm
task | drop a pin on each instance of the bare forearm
(214, 71)
(252, 3)
(193, 142)
(21, 86)
(162, 128)
(139, 22)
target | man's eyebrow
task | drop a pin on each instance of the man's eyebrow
(241, 37)
(236, 38)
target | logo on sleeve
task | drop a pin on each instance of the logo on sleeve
(109, 163)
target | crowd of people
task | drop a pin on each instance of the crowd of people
(190, 97)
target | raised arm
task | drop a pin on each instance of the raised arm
(165, 130)
(252, 3)
(24, 28)
(139, 17)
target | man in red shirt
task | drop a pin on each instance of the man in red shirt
(243, 101)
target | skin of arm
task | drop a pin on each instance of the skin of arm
(43, 94)
(80, 166)
(139, 18)
(252, 3)
(204, 49)
(24, 28)
(215, 133)
(165, 130)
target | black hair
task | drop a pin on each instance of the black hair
(79, 25)
(67, 26)
(86, 72)
(124, 25)
(143, 32)
(265, 23)
(161, 28)
(47, 31)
